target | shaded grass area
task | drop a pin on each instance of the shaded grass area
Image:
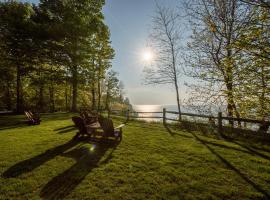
(151, 162)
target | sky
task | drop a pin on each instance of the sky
(129, 22)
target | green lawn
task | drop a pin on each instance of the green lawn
(151, 162)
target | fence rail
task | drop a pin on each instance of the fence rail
(264, 125)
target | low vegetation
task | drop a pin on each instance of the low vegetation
(151, 162)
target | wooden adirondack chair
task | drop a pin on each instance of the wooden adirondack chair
(109, 130)
(79, 123)
(32, 119)
(88, 117)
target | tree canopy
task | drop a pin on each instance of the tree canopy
(54, 56)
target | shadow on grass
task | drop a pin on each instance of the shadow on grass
(57, 116)
(87, 159)
(233, 168)
(32, 163)
(12, 121)
(251, 150)
(66, 129)
(172, 133)
(13, 126)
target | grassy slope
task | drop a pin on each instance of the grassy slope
(150, 163)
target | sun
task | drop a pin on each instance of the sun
(147, 55)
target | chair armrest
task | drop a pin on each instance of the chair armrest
(120, 126)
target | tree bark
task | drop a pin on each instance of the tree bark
(8, 97)
(41, 98)
(74, 88)
(66, 96)
(19, 100)
(107, 103)
(93, 92)
(99, 93)
(175, 80)
(52, 104)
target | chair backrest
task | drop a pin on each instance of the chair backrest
(28, 115)
(83, 114)
(107, 126)
(34, 115)
(78, 121)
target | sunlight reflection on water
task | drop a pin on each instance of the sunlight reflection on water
(154, 108)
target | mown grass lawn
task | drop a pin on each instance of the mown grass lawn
(151, 162)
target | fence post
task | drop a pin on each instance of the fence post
(220, 129)
(164, 116)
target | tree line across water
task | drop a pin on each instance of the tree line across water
(56, 56)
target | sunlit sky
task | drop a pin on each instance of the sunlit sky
(130, 22)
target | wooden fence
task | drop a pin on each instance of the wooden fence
(264, 125)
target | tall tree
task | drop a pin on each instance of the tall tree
(217, 25)
(16, 40)
(166, 40)
(112, 89)
(74, 23)
(254, 80)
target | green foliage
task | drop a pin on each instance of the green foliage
(53, 54)
(254, 83)
(229, 54)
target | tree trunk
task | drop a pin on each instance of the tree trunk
(231, 106)
(99, 94)
(66, 96)
(19, 100)
(178, 100)
(8, 97)
(262, 99)
(52, 104)
(93, 96)
(228, 81)
(74, 89)
(107, 103)
(175, 80)
(41, 98)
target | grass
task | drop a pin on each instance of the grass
(151, 162)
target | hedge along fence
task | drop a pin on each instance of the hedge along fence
(263, 125)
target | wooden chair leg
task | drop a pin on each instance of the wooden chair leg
(76, 136)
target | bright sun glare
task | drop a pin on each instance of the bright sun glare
(147, 55)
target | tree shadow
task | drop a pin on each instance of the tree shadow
(248, 150)
(86, 160)
(172, 133)
(32, 163)
(259, 148)
(11, 122)
(233, 168)
(251, 150)
(57, 116)
(13, 126)
(65, 129)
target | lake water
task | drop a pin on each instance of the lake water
(157, 108)
(186, 109)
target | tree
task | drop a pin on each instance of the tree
(254, 80)
(261, 3)
(217, 25)
(52, 54)
(166, 40)
(112, 90)
(74, 23)
(16, 31)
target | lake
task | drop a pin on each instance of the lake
(156, 108)
(187, 109)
